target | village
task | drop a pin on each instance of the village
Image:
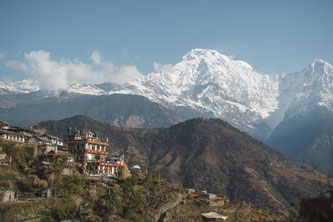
(87, 150)
(82, 153)
(86, 153)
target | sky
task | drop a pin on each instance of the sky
(116, 40)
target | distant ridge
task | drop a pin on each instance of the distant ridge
(308, 138)
(119, 110)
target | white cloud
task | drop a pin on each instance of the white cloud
(55, 74)
(96, 57)
(162, 68)
(52, 75)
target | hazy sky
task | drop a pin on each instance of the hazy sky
(124, 37)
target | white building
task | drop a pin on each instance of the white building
(11, 136)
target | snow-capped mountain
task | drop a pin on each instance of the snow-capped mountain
(305, 90)
(207, 83)
(22, 86)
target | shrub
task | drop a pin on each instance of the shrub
(128, 184)
(133, 216)
(21, 155)
(114, 202)
(73, 184)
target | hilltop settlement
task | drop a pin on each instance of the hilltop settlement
(87, 151)
(84, 178)
(45, 178)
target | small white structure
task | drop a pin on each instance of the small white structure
(136, 167)
(212, 216)
(46, 193)
(54, 140)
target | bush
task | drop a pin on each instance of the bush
(21, 155)
(138, 202)
(58, 210)
(73, 184)
(128, 184)
(133, 216)
(114, 202)
(8, 214)
(57, 165)
(152, 178)
(110, 205)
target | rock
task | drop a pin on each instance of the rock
(219, 203)
(209, 196)
(190, 191)
(124, 173)
(35, 181)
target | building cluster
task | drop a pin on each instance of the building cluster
(89, 152)
(40, 138)
(92, 153)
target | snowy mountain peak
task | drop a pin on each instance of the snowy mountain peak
(201, 66)
(203, 54)
(318, 68)
(319, 62)
(327, 68)
(22, 86)
(208, 83)
(212, 57)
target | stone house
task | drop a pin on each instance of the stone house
(8, 196)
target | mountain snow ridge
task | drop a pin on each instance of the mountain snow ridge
(22, 86)
(205, 82)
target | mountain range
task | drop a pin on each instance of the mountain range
(209, 154)
(206, 83)
(117, 109)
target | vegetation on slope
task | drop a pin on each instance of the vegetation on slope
(210, 154)
(141, 197)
